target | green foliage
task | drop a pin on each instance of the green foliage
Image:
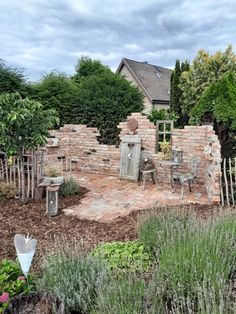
(23, 123)
(103, 101)
(159, 229)
(12, 282)
(56, 91)
(175, 91)
(69, 187)
(218, 103)
(74, 279)
(11, 80)
(219, 99)
(124, 256)
(87, 67)
(205, 70)
(194, 269)
(161, 114)
(125, 295)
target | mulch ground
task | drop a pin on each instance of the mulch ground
(31, 218)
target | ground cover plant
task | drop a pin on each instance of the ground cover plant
(124, 256)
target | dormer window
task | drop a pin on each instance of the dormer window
(158, 74)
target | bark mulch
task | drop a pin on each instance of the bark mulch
(31, 218)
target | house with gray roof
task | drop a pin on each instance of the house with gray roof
(152, 80)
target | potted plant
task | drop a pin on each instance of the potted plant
(53, 174)
(35, 302)
(165, 153)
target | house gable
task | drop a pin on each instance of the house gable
(154, 81)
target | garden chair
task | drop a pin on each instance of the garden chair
(147, 168)
(189, 177)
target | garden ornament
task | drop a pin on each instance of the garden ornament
(25, 249)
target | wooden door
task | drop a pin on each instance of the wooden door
(130, 157)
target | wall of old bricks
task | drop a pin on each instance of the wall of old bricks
(80, 144)
(201, 141)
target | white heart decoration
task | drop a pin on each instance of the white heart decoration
(25, 249)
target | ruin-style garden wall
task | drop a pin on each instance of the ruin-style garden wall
(80, 144)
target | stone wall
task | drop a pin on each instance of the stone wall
(146, 130)
(201, 141)
(79, 143)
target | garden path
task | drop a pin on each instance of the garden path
(109, 197)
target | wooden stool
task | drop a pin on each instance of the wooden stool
(146, 173)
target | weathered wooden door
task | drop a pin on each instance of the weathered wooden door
(130, 157)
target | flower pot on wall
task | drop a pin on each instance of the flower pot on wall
(53, 180)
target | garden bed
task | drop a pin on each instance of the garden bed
(31, 217)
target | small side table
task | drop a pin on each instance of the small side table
(146, 173)
(171, 165)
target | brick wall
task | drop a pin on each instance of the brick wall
(80, 144)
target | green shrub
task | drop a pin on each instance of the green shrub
(69, 187)
(123, 296)
(73, 278)
(12, 282)
(124, 256)
(194, 269)
(159, 229)
(7, 190)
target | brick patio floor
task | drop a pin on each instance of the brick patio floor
(109, 197)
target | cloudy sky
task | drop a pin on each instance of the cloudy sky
(44, 35)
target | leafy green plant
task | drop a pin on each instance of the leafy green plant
(73, 278)
(24, 124)
(124, 256)
(162, 114)
(69, 187)
(12, 282)
(124, 295)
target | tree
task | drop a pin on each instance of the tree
(217, 104)
(205, 70)
(56, 91)
(176, 93)
(11, 80)
(87, 67)
(103, 101)
(162, 114)
(24, 124)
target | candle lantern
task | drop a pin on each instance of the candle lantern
(177, 155)
(52, 199)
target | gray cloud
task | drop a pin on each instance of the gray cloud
(41, 36)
